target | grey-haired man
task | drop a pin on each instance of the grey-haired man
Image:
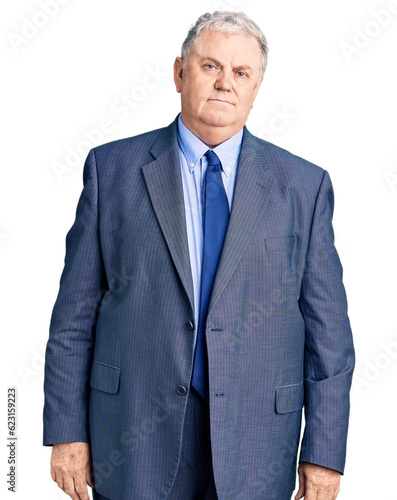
(181, 353)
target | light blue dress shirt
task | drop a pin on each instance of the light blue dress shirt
(193, 168)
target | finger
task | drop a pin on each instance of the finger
(90, 479)
(59, 480)
(301, 491)
(53, 475)
(329, 493)
(80, 486)
(90, 475)
(69, 489)
(335, 494)
(310, 492)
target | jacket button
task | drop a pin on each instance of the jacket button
(190, 324)
(181, 390)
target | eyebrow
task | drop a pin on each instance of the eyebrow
(218, 63)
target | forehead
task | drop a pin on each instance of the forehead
(236, 48)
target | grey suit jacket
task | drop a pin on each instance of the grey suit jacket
(120, 349)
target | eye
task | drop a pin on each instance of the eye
(209, 66)
(241, 74)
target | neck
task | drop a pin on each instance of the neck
(212, 136)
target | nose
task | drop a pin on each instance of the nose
(223, 81)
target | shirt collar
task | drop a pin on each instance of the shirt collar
(194, 148)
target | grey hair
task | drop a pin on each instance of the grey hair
(226, 22)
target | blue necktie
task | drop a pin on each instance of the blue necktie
(215, 220)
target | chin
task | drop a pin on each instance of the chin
(217, 120)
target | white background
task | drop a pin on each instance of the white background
(335, 89)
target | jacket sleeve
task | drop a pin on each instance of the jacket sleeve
(329, 351)
(69, 350)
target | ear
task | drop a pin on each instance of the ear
(178, 73)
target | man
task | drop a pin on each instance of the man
(201, 305)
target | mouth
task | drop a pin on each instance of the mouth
(221, 101)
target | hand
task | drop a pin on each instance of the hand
(317, 482)
(71, 468)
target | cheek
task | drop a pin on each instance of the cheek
(246, 102)
(193, 95)
(188, 99)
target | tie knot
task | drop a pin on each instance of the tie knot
(213, 160)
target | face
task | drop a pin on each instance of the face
(219, 84)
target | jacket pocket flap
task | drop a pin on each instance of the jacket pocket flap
(280, 243)
(289, 398)
(105, 377)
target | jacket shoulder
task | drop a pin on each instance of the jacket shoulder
(288, 168)
(143, 140)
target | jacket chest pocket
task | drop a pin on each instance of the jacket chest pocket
(280, 244)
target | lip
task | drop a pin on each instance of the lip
(220, 100)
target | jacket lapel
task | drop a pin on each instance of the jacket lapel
(164, 183)
(251, 196)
